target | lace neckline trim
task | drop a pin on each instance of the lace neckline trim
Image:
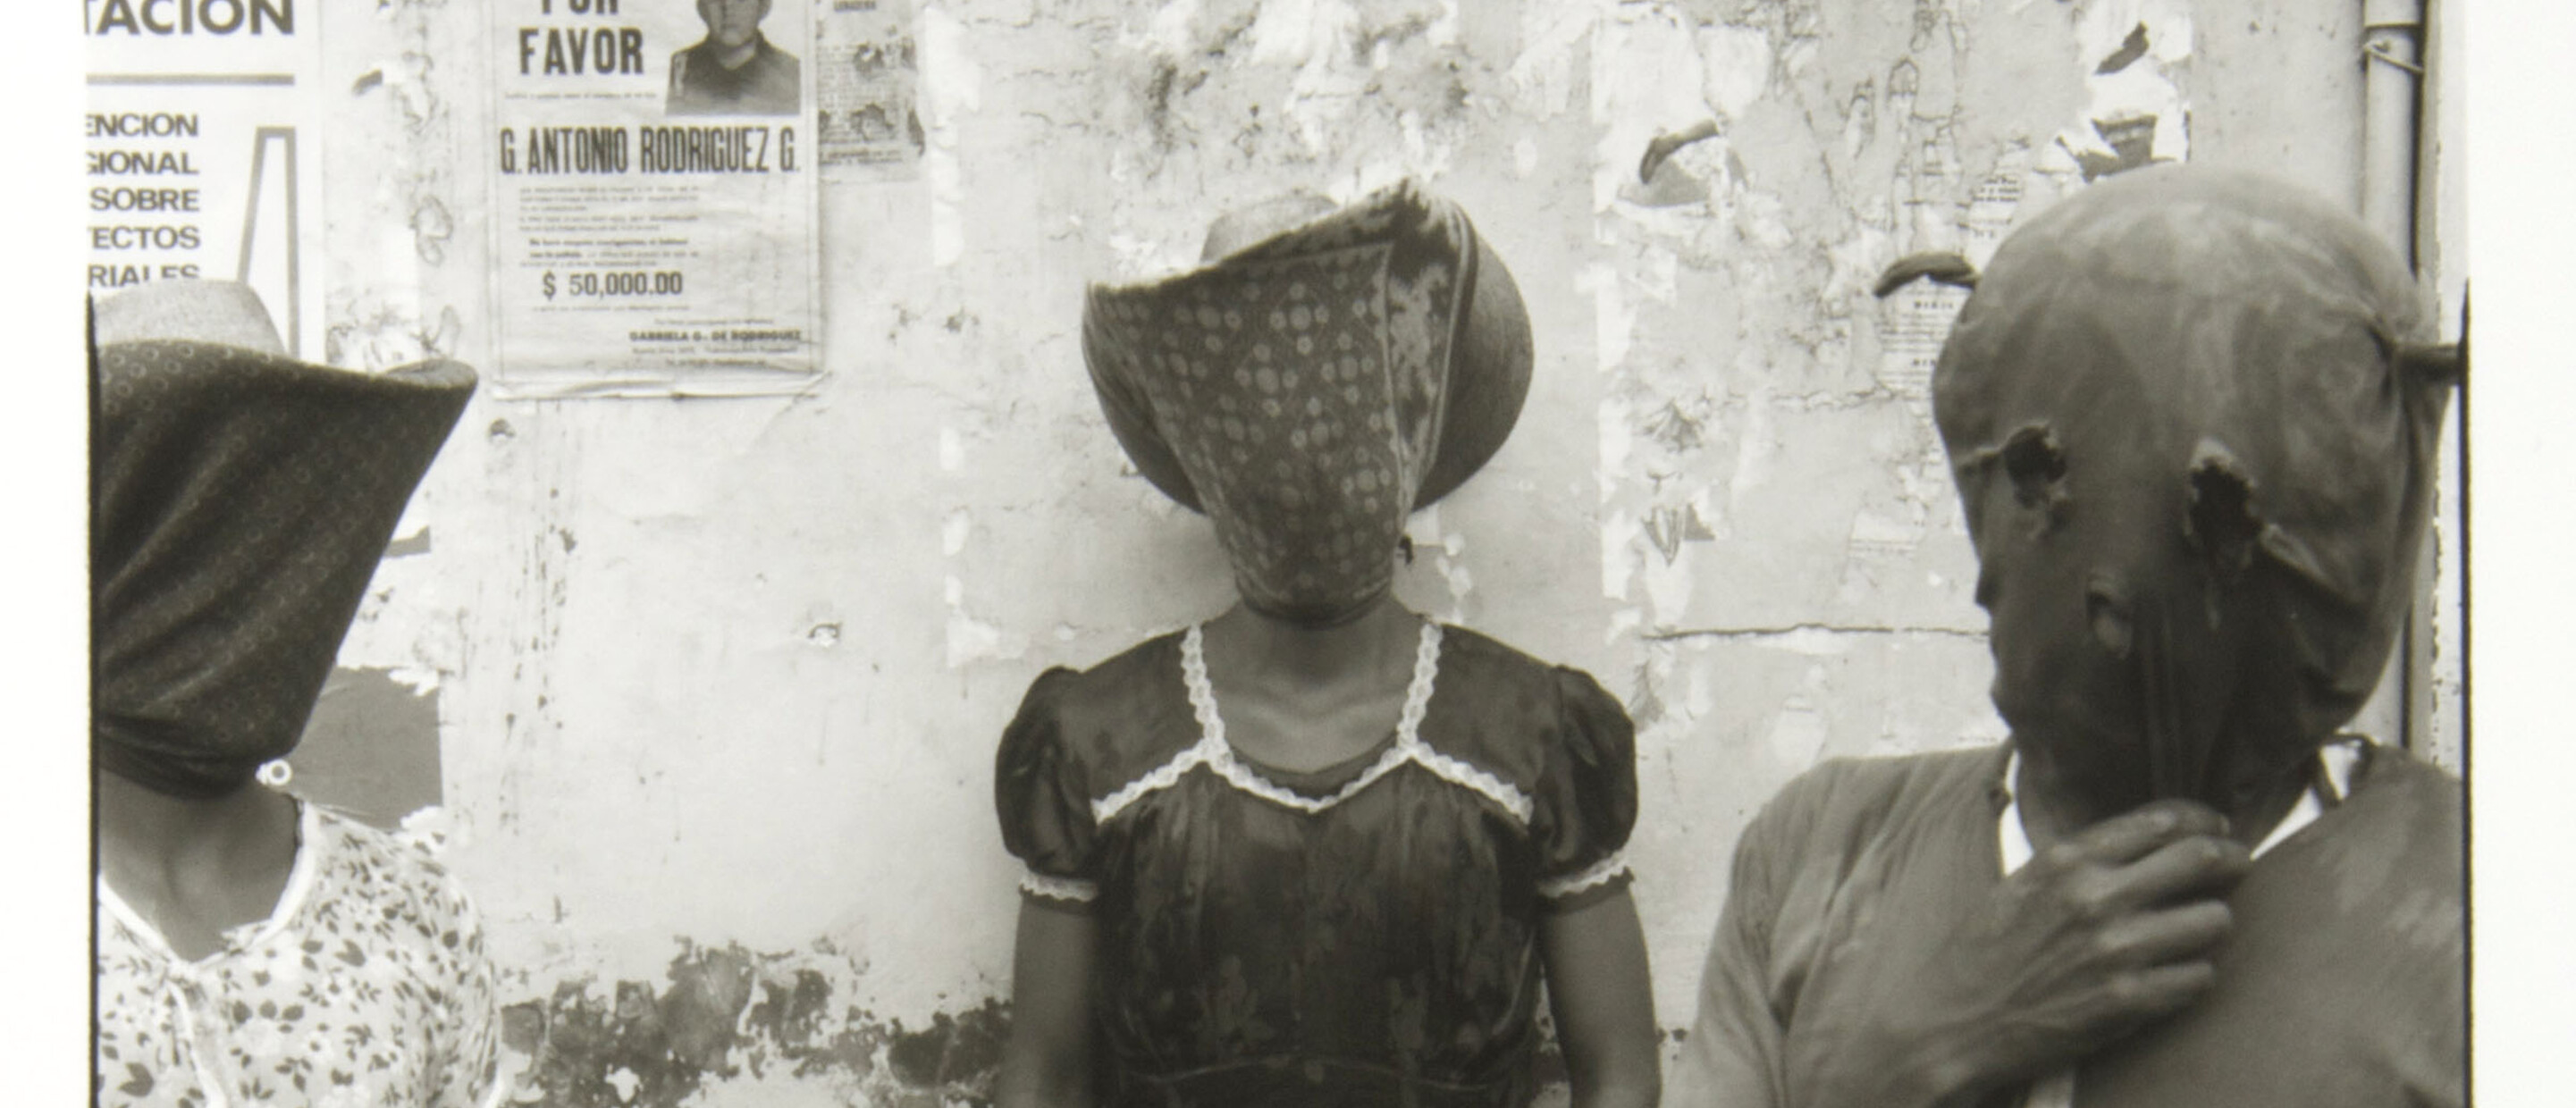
(1212, 752)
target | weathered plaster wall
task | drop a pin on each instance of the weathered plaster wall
(716, 682)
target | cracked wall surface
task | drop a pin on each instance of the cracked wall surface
(713, 686)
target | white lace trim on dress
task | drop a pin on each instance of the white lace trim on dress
(1212, 751)
(1586, 879)
(1058, 888)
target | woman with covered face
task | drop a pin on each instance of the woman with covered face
(2192, 415)
(253, 947)
(1320, 849)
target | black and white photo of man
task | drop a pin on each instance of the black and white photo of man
(734, 70)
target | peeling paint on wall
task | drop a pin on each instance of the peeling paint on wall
(730, 1026)
(2136, 111)
(371, 747)
(733, 670)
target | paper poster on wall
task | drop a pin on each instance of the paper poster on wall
(866, 89)
(200, 148)
(654, 198)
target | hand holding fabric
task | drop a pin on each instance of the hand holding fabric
(2101, 933)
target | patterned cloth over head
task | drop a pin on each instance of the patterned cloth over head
(1310, 390)
(240, 500)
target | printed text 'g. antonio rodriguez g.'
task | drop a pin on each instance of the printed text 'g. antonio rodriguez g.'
(610, 149)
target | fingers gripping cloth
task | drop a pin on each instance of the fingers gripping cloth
(2192, 416)
(1310, 390)
(240, 500)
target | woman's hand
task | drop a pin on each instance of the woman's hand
(1047, 1063)
(1604, 1001)
(2097, 935)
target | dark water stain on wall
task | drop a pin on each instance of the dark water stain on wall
(731, 1014)
(728, 1014)
(951, 1053)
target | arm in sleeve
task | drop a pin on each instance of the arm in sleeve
(1587, 797)
(1603, 997)
(1734, 1054)
(1044, 803)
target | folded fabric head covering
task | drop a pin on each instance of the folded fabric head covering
(240, 500)
(1309, 390)
(2192, 415)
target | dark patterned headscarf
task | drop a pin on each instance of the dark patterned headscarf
(2193, 416)
(1309, 391)
(240, 500)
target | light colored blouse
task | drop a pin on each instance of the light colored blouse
(1862, 867)
(367, 986)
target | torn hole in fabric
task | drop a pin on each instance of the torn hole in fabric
(2035, 463)
(2037, 466)
(2222, 522)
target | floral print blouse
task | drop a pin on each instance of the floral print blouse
(368, 986)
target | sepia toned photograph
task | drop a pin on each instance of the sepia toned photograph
(1774, 553)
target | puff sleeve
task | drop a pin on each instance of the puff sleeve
(1040, 794)
(1587, 796)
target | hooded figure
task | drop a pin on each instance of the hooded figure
(2192, 415)
(240, 501)
(1320, 849)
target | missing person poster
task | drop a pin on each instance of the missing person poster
(654, 198)
(200, 148)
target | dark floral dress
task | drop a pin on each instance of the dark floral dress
(368, 987)
(1367, 934)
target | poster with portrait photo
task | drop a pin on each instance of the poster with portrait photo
(654, 191)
